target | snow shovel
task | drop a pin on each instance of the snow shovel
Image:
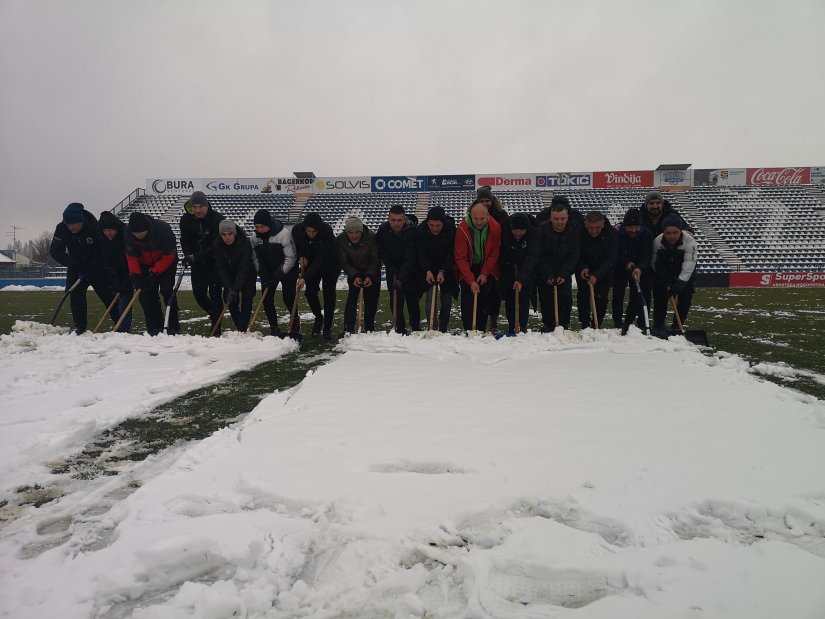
(106, 313)
(257, 309)
(63, 300)
(593, 305)
(360, 309)
(394, 309)
(556, 302)
(218, 322)
(694, 336)
(293, 334)
(432, 306)
(171, 296)
(475, 309)
(127, 310)
(644, 306)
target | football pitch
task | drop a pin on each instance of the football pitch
(779, 331)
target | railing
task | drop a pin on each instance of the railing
(128, 200)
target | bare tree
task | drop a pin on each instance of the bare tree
(40, 247)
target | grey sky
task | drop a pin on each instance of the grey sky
(97, 96)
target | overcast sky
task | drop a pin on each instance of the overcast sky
(97, 96)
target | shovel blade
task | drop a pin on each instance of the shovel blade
(694, 336)
(298, 337)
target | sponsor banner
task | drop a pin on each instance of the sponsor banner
(342, 184)
(673, 179)
(574, 180)
(237, 185)
(386, 184)
(811, 279)
(173, 186)
(506, 182)
(637, 178)
(779, 176)
(721, 176)
(455, 182)
(818, 176)
(292, 185)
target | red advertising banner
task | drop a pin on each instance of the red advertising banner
(605, 180)
(779, 176)
(811, 279)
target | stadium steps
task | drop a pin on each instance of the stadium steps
(685, 204)
(422, 205)
(818, 192)
(546, 199)
(294, 215)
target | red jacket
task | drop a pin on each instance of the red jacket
(158, 250)
(464, 251)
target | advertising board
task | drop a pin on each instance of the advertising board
(812, 279)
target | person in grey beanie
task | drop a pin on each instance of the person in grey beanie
(358, 255)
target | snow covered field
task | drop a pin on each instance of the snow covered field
(538, 476)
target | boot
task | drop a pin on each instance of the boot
(317, 326)
(493, 324)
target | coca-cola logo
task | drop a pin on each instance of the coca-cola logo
(779, 176)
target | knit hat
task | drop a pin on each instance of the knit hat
(654, 195)
(484, 193)
(198, 197)
(437, 213)
(263, 217)
(632, 217)
(109, 222)
(672, 221)
(519, 221)
(73, 214)
(313, 220)
(353, 224)
(226, 225)
(138, 222)
(559, 199)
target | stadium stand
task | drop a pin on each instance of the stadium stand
(748, 228)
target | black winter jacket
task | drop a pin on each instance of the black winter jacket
(636, 249)
(115, 269)
(559, 250)
(519, 258)
(233, 263)
(397, 251)
(198, 235)
(81, 252)
(320, 252)
(598, 254)
(435, 253)
(656, 228)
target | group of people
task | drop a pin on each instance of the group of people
(486, 258)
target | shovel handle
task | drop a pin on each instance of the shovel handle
(360, 309)
(676, 314)
(127, 310)
(257, 309)
(218, 322)
(106, 313)
(475, 308)
(433, 293)
(294, 311)
(593, 305)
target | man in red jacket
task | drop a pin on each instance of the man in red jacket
(477, 248)
(151, 253)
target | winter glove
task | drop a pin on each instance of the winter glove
(136, 280)
(231, 296)
(189, 259)
(677, 287)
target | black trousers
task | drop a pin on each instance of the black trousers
(548, 312)
(484, 304)
(330, 282)
(288, 289)
(661, 299)
(406, 295)
(371, 295)
(150, 302)
(206, 289)
(601, 290)
(77, 298)
(241, 308)
(509, 296)
(445, 302)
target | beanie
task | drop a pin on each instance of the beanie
(138, 222)
(73, 214)
(313, 220)
(437, 213)
(559, 199)
(353, 224)
(484, 193)
(672, 221)
(632, 217)
(226, 225)
(519, 221)
(109, 222)
(263, 217)
(198, 197)
(654, 195)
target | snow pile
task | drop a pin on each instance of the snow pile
(468, 477)
(58, 391)
(19, 288)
